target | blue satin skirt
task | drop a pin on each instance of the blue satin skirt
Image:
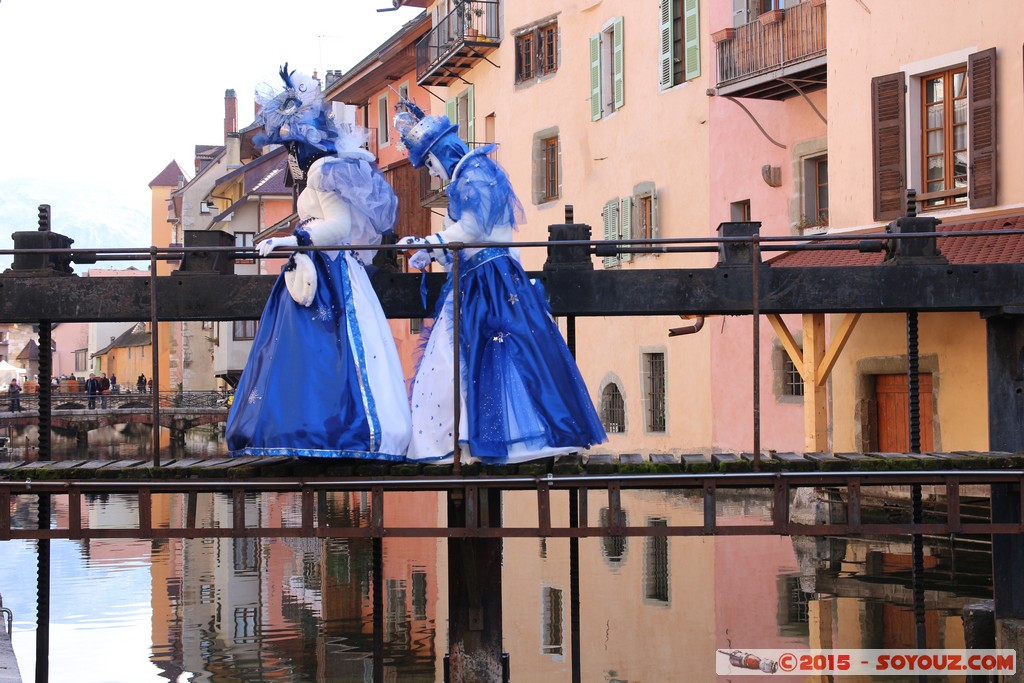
(322, 380)
(522, 392)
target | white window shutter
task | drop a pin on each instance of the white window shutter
(691, 38)
(665, 48)
(654, 213)
(595, 77)
(611, 228)
(470, 117)
(618, 64)
(626, 227)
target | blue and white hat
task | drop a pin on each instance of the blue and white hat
(422, 134)
(296, 114)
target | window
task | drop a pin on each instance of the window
(615, 227)
(551, 621)
(460, 111)
(246, 624)
(243, 240)
(613, 410)
(956, 142)
(547, 166)
(419, 595)
(944, 136)
(613, 548)
(415, 325)
(792, 382)
(644, 213)
(739, 212)
(656, 565)
(551, 183)
(383, 120)
(244, 330)
(607, 75)
(654, 390)
(81, 358)
(814, 211)
(536, 51)
(679, 50)
(403, 91)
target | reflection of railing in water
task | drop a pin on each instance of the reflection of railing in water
(80, 400)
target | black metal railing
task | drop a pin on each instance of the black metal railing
(472, 21)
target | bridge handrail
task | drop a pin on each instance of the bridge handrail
(80, 400)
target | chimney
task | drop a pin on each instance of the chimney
(233, 145)
(230, 113)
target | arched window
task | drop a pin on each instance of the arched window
(613, 409)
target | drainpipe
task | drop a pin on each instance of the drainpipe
(698, 323)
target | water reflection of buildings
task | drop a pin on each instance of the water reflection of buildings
(280, 609)
(277, 609)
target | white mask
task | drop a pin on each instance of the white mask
(435, 167)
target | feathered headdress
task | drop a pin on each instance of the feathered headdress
(295, 114)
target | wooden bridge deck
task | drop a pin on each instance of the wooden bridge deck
(856, 479)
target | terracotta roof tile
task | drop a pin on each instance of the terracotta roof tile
(967, 250)
(168, 177)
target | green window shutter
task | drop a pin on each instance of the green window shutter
(451, 109)
(618, 72)
(691, 37)
(611, 228)
(665, 49)
(470, 116)
(595, 77)
(626, 219)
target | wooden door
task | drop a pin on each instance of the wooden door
(892, 399)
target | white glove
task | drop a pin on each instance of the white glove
(268, 245)
(407, 241)
(421, 259)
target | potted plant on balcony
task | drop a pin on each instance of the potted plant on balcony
(468, 11)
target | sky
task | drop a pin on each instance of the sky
(100, 95)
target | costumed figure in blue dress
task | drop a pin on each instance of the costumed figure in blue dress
(323, 378)
(522, 396)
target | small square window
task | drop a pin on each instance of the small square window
(537, 52)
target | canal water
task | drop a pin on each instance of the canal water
(652, 609)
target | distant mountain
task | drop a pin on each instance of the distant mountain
(93, 216)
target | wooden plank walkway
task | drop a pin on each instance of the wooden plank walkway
(628, 464)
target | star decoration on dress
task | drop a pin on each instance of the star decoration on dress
(500, 337)
(322, 313)
(253, 396)
(513, 298)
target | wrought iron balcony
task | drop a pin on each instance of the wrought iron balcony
(776, 56)
(458, 41)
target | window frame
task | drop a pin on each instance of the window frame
(608, 411)
(947, 130)
(240, 330)
(383, 122)
(607, 69)
(537, 53)
(552, 184)
(655, 386)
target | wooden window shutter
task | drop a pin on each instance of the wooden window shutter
(665, 46)
(889, 145)
(618, 64)
(611, 228)
(626, 222)
(595, 77)
(691, 38)
(981, 95)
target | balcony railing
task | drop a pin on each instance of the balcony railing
(458, 41)
(789, 43)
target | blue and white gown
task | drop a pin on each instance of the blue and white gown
(522, 396)
(325, 380)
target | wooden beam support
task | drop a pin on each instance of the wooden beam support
(815, 394)
(839, 339)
